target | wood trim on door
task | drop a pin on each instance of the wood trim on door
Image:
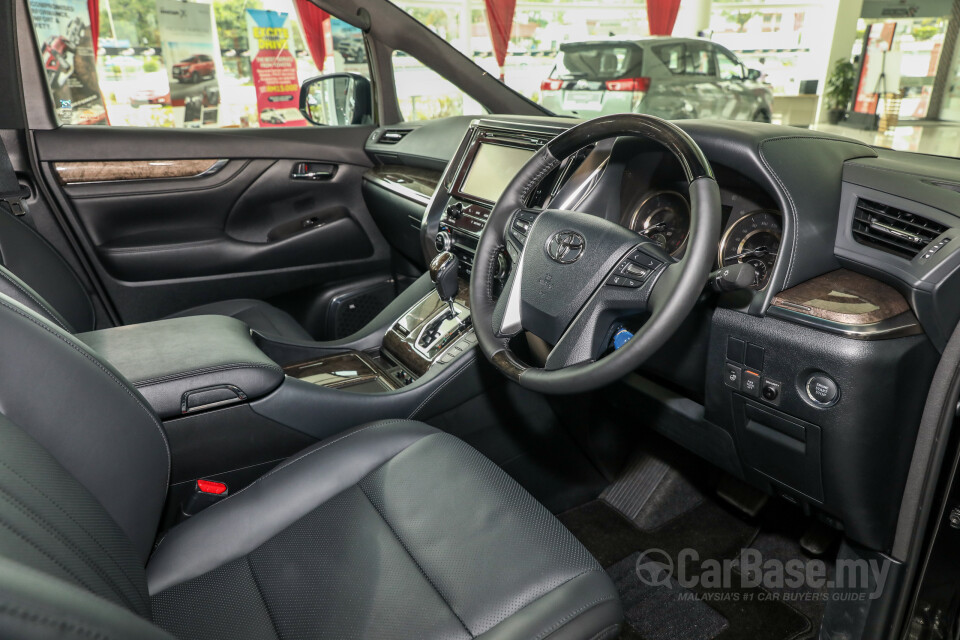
(124, 170)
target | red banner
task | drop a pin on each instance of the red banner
(312, 18)
(500, 20)
(662, 15)
(93, 6)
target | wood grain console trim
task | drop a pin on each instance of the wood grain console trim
(845, 297)
(123, 170)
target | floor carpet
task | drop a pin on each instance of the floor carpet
(704, 611)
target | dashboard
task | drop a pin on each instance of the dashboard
(652, 205)
(810, 382)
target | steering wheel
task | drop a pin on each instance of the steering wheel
(575, 275)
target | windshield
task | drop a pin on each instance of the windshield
(877, 71)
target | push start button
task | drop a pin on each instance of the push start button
(822, 390)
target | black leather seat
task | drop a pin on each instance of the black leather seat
(391, 530)
(34, 274)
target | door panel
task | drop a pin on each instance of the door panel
(232, 222)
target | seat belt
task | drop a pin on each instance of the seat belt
(11, 191)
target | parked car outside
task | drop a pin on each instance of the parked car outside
(194, 68)
(673, 78)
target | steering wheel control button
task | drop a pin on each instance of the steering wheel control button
(633, 270)
(735, 349)
(750, 384)
(822, 390)
(754, 357)
(770, 391)
(731, 376)
(648, 262)
(620, 281)
(522, 226)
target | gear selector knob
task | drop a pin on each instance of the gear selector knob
(443, 272)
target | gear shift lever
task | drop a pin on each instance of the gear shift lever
(443, 272)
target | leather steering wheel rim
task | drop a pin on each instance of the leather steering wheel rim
(671, 292)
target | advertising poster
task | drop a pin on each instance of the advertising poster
(192, 57)
(879, 41)
(66, 49)
(274, 69)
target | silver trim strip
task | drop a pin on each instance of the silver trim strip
(399, 189)
(511, 314)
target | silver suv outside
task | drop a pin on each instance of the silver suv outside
(674, 78)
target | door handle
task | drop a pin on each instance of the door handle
(313, 171)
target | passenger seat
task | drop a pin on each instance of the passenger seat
(34, 274)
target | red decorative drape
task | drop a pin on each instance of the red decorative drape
(500, 20)
(662, 15)
(312, 18)
(93, 6)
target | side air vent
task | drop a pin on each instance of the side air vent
(393, 136)
(893, 230)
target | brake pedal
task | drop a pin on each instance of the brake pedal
(741, 495)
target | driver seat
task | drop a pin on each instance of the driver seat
(390, 530)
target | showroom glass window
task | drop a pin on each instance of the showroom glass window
(167, 63)
(424, 94)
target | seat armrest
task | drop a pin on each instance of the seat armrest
(184, 365)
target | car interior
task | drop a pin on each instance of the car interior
(506, 376)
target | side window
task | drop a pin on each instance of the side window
(699, 61)
(728, 67)
(425, 95)
(168, 63)
(673, 57)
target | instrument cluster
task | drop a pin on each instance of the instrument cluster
(751, 234)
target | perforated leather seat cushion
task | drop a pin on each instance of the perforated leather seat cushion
(393, 530)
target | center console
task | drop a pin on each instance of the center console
(430, 334)
(437, 328)
(476, 179)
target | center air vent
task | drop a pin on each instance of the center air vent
(893, 230)
(393, 136)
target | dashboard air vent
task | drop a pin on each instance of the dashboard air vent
(893, 230)
(393, 136)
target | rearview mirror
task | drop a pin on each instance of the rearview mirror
(754, 74)
(337, 99)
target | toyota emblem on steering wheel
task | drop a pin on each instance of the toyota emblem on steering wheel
(566, 247)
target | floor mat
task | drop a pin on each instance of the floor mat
(662, 609)
(710, 530)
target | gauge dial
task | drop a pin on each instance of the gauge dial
(755, 239)
(664, 217)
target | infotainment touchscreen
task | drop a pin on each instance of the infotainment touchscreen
(493, 167)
